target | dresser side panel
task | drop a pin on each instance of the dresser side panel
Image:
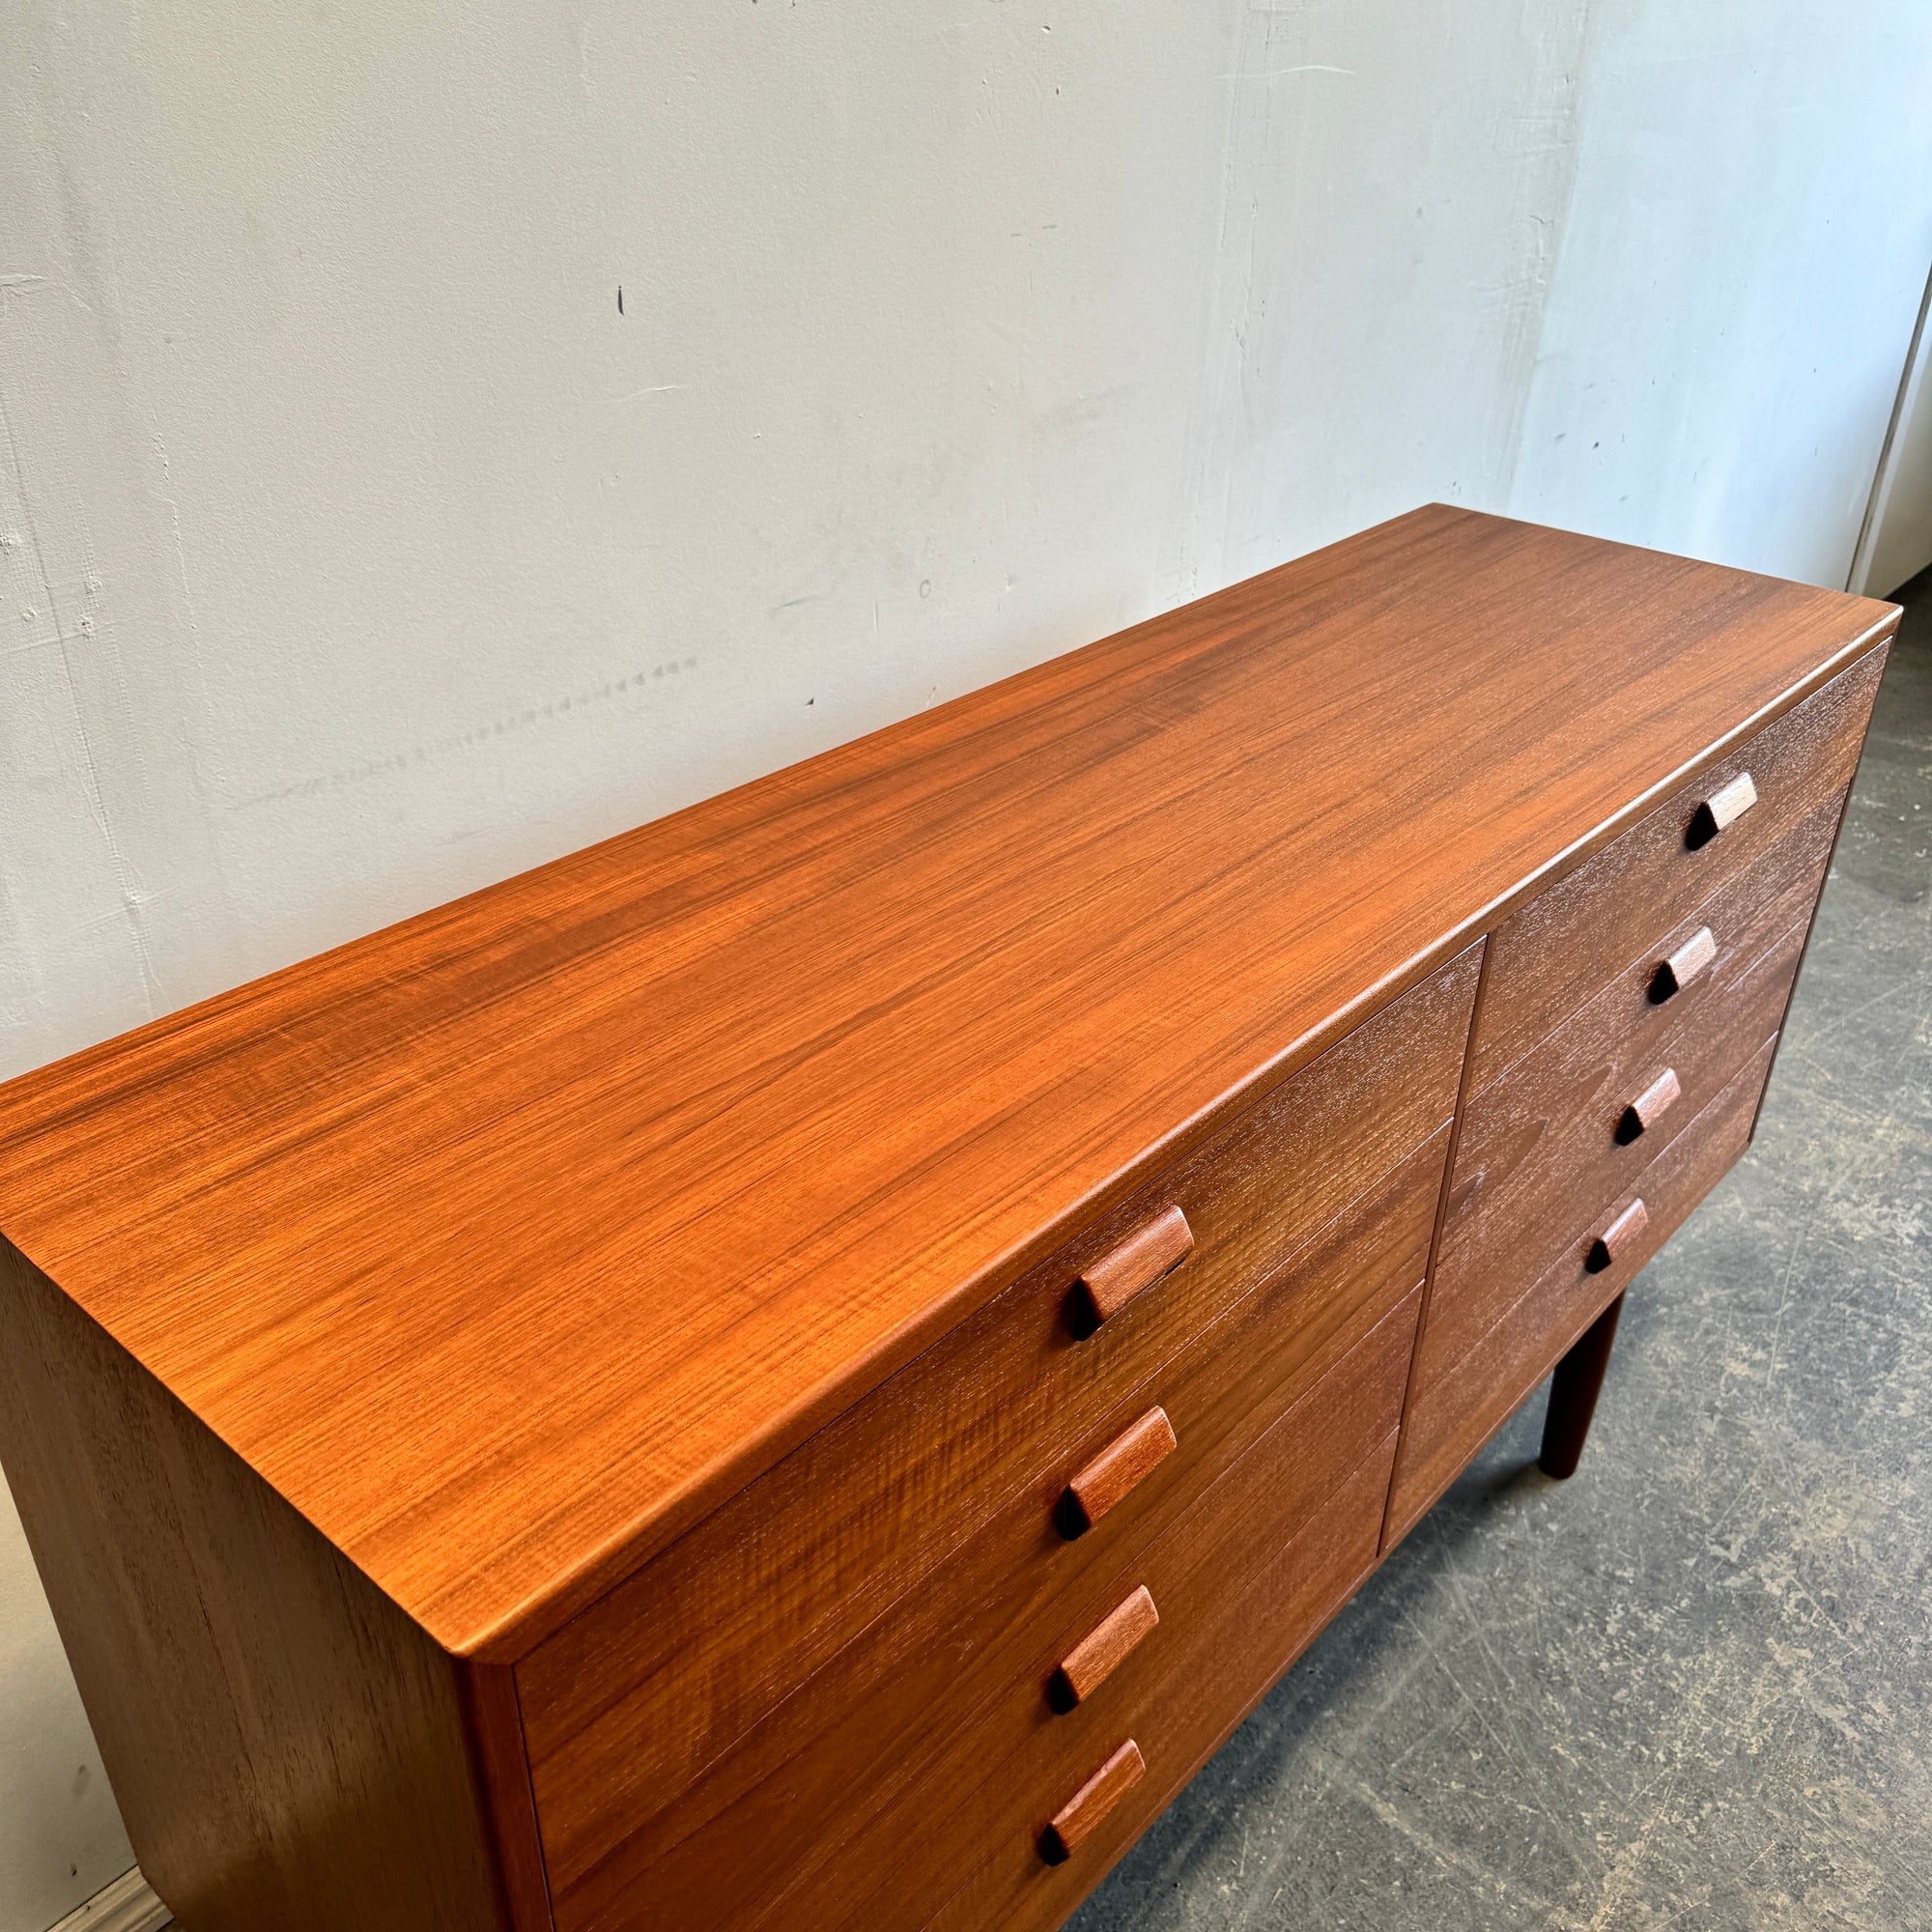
(288, 1749)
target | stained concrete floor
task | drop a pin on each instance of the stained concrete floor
(1691, 1687)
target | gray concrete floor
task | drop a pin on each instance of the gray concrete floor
(1690, 1686)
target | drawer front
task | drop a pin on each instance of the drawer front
(628, 1704)
(966, 1750)
(1544, 1146)
(1450, 1418)
(1550, 956)
(1017, 1578)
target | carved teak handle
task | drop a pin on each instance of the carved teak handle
(1082, 1813)
(1100, 1652)
(1724, 807)
(1149, 1254)
(1132, 1455)
(1618, 1238)
(1683, 966)
(1643, 1113)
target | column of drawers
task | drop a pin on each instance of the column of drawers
(705, 1742)
(1625, 1025)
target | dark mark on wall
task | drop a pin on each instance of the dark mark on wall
(620, 298)
(462, 741)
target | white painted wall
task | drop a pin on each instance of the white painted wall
(356, 550)
(1897, 540)
(1741, 263)
(59, 1836)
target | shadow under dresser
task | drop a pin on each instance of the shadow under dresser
(803, 1366)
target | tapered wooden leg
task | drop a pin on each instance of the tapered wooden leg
(1572, 1394)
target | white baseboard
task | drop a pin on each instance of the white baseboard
(127, 1905)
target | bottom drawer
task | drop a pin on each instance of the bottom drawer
(1452, 1417)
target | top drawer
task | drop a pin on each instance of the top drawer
(656, 1679)
(1551, 956)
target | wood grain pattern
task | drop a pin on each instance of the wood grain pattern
(851, 1836)
(1540, 1159)
(616, 1798)
(507, 1242)
(1543, 1146)
(1452, 1416)
(1244, 1639)
(1549, 958)
(288, 1749)
(1113, 1475)
(1083, 1814)
(1878, 662)
(634, 1696)
(1148, 1256)
(1103, 1649)
(494, 1723)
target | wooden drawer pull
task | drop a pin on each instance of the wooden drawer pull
(1131, 1455)
(1683, 966)
(1081, 1815)
(1147, 1255)
(1617, 1239)
(1100, 1652)
(1655, 1100)
(1724, 807)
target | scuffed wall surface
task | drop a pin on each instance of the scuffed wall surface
(1739, 272)
(359, 550)
(356, 548)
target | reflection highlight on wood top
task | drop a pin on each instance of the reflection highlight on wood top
(506, 1240)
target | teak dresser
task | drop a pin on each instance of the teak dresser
(803, 1367)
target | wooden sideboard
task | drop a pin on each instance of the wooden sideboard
(803, 1366)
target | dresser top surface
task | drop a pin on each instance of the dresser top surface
(504, 1240)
